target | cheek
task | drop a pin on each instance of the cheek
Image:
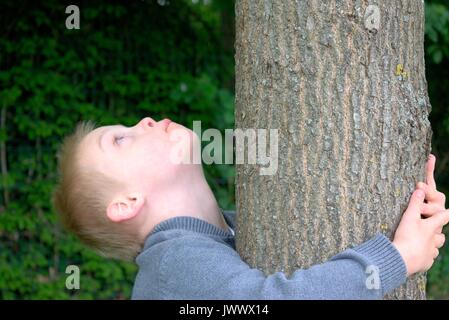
(152, 154)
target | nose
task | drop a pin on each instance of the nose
(146, 122)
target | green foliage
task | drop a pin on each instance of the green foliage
(437, 69)
(125, 63)
(437, 31)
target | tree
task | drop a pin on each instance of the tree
(344, 83)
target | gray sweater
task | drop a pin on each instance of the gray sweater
(188, 258)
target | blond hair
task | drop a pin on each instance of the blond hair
(81, 198)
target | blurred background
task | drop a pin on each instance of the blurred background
(129, 60)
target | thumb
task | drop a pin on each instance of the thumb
(415, 203)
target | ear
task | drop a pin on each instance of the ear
(124, 208)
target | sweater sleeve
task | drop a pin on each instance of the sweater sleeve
(201, 268)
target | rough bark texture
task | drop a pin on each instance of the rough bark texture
(353, 126)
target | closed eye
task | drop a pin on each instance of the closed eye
(119, 139)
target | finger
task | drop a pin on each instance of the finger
(439, 240)
(415, 203)
(431, 194)
(439, 219)
(436, 252)
(430, 168)
(430, 209)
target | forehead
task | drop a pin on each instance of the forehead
(90, 143)
(92, 137)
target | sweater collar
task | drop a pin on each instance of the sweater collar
(188, 223)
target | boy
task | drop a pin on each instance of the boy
(123, 195)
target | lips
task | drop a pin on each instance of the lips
(166, 123)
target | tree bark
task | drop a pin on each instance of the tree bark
(348, 94)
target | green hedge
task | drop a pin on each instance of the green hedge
(129, 60)
(126, 62)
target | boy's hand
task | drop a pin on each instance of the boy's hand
(418, 239)
(434, 200)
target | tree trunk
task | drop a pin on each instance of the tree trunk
(345, 85)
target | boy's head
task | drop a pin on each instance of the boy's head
(110, 176)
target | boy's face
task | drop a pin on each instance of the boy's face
(139, 156)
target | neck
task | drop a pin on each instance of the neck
(191, 196)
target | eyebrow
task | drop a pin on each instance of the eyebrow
(100, 138)
(103, 134)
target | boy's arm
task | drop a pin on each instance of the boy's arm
(207, 269)
(198, 268)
